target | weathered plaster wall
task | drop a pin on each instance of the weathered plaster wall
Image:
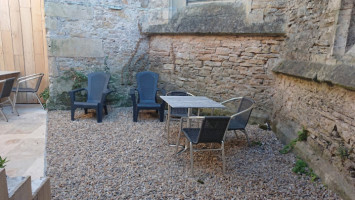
(219, 67)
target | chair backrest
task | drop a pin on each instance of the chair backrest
(6, 87)
(40, 76)
(31, 78)
(242, 119)
(178, 111)
(213, 129)
(97, 84)
(147, 83)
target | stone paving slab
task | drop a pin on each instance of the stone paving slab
(22, 140)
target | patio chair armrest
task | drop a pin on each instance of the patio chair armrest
(72, 93)
(232, 99)
(241, 112)
(104, 95)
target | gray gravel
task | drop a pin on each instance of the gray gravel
(119, 159)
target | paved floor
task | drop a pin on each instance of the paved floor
(22, 140)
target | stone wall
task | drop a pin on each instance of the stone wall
(219, 67)
(318, 92)
(96, 35)
(326, 112)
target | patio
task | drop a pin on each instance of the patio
(120, 159)
(22, 140)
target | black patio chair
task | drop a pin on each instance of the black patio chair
(147, 88)
(21, 88)
(240, 120)
(176, 113)
(212, 130)
(5, 92)
(97, 92)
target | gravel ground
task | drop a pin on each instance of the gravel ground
(119, 159)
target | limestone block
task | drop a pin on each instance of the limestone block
(75, 47)
(168, 67)
(68, 11)
(223, 51)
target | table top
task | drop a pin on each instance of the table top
(8, 72)
(191, 102)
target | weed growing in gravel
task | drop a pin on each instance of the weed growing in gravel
(2, 162)
(301, 167)
(200, 181)
(256, 143)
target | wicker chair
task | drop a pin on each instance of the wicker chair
(147, 89)
(175, 113)
(5, 92)
(212, 130)
(96, 95)
(240, 120)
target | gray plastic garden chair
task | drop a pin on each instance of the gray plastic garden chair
(147, 88)
(5, 92)
(22, 80)
(240, 120)
(176, 113)
(97, 91)
(212, 130)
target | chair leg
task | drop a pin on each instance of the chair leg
(39, 100)
(223, 158)
(246, 135)
(105, 109)
(161, 115)
(13, 107)
(3, 114)
(72, 113)
(168, 125)
(99, 113)
(177, 142)
(191, 159)
(135, 115)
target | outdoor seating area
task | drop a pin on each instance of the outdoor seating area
(178, 99)
(122, 159)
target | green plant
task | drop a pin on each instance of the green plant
(256, 143)
(263, 126)
(289, 147)
(45, 96)
(2, 162)
(78, 78)
(301, 167)
(343, 152)
(302, 135)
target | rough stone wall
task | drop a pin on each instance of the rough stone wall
(97, 35)
(310, 30)
(325, 110)
(219, 67)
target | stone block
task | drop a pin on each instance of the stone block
(68, 11)
(168, 67)
(75, 47)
